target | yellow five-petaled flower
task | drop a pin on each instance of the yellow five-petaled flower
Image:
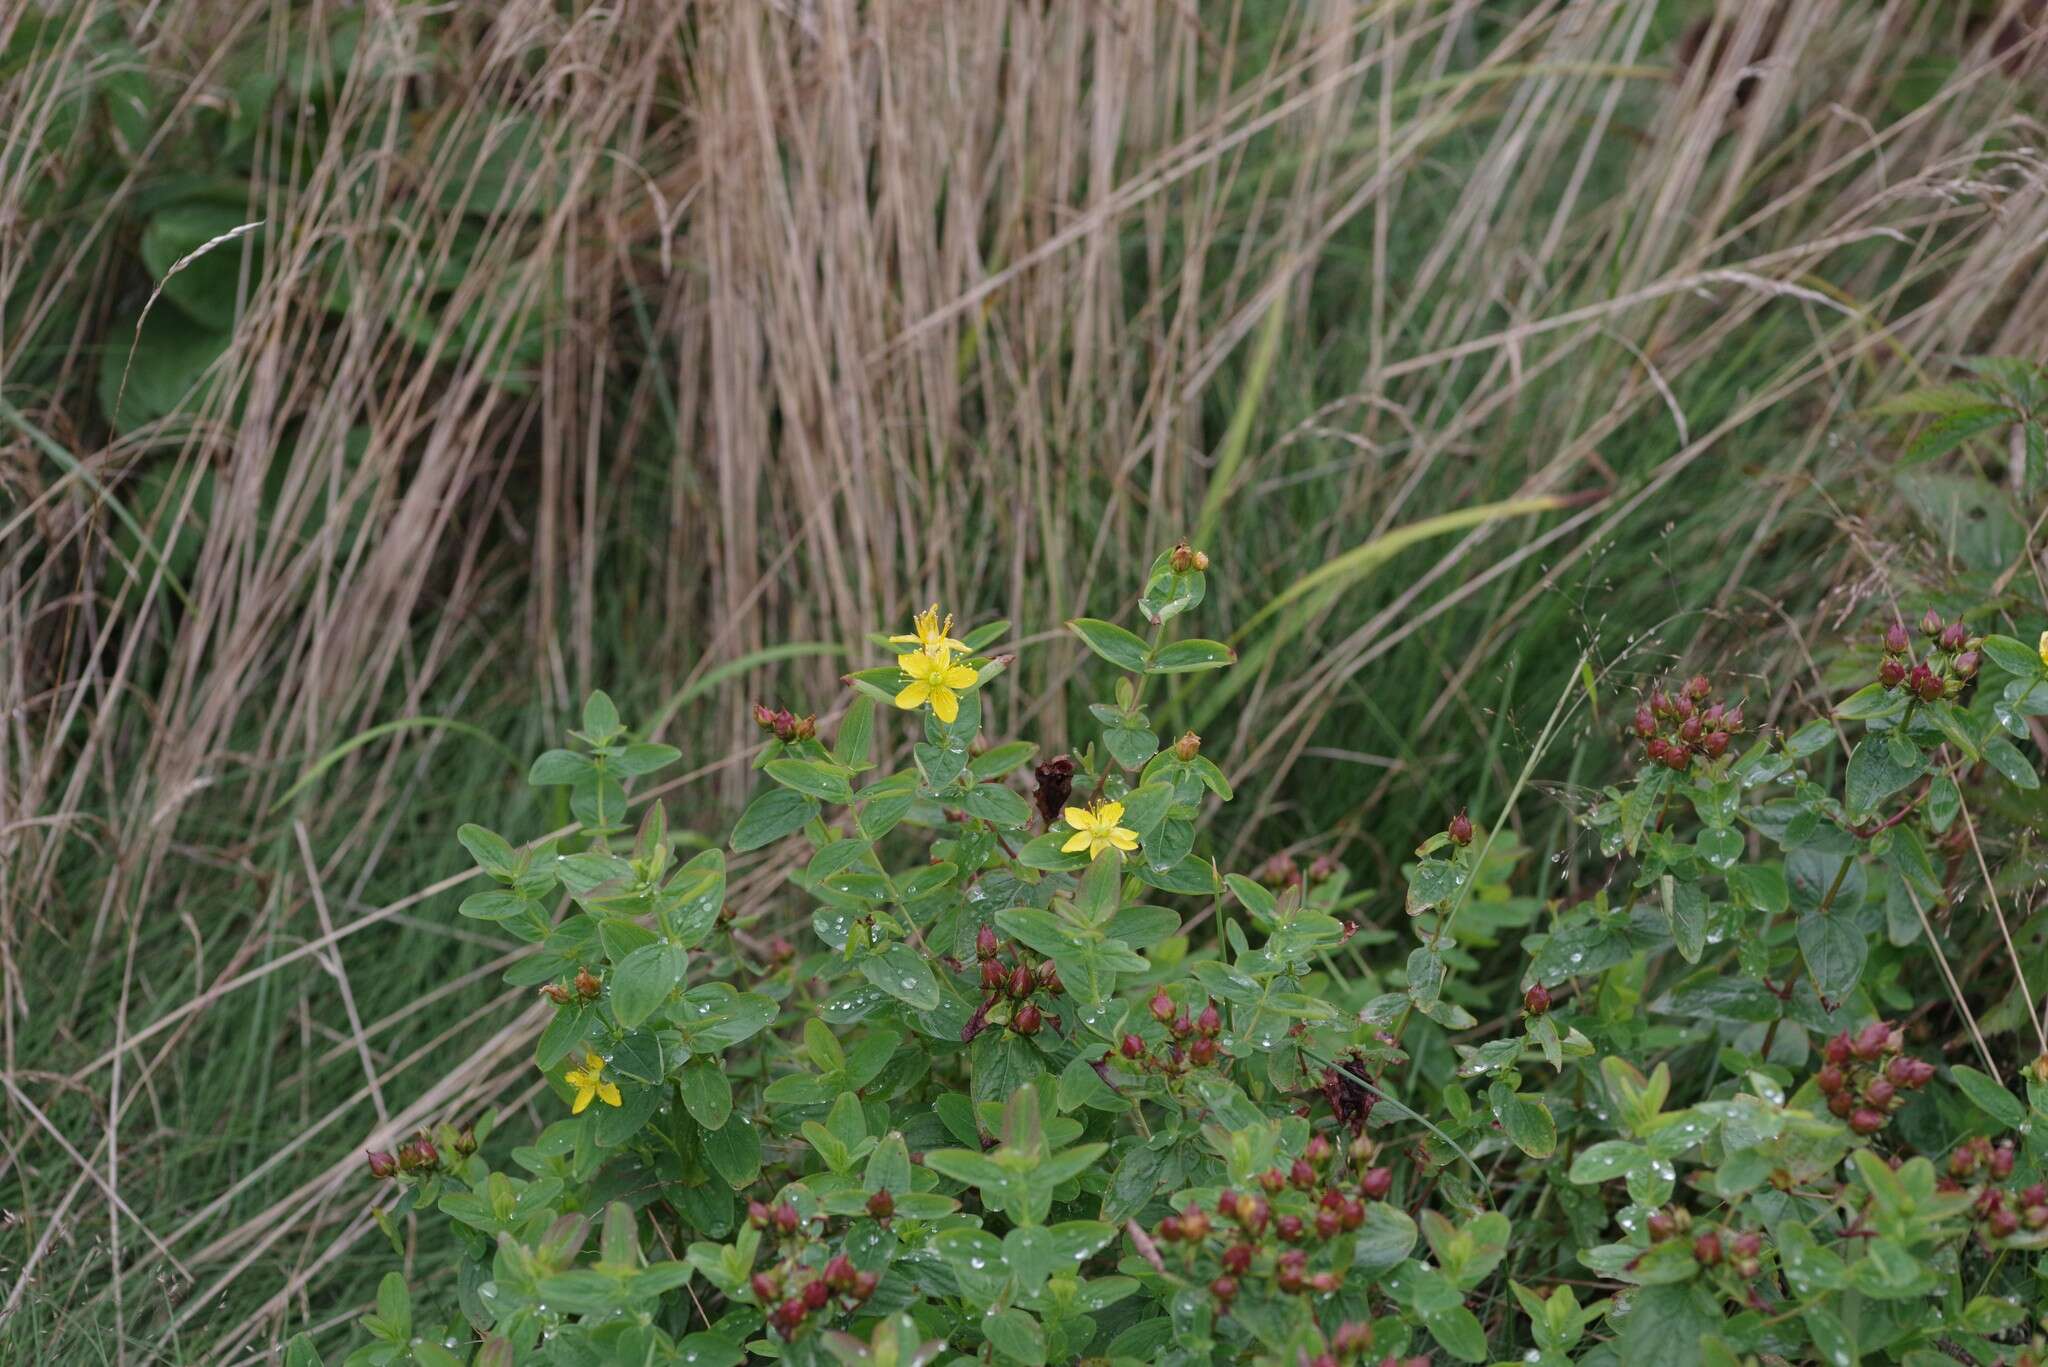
(589, 1082)
(2044, 647)
(929, 634)
(1096, 831)
(934, 679)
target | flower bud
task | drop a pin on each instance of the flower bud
(985, 943)
(1182, 558)
(1896, 640)
(1202, 1052)
(1194, 1224)
(1837, 1050)
(1660, 704)
(864, 1284)
(1253, 1214)
(2003, 1224)
(1536, 1000)
(1290, 1276)
(1181, 1026)
(1353, 1214)
(1324, 868)
(758, 1214)
(1021, 982)
(1840, 1104)
(1461, 829)
(1027, 1020)
(1187, 747)
(882, 1204)
(1302, 1174)
(1237, 1259)
(789, 1316)
(1954, 637)
(1863, 1120)
(1318, 1150)
(1169, 1231)
(1162, 1006)
(382, 1165)
(1690, 730)
(2001, 1160)
(1930, 625)
(1661, 1224)
(1049, 979)
(1909, 1073)
(1829, 1079)
(994, 977)
(588, 985)
(465, 1142)
(1224, 1289)
(1706, 1250)
(1376, 1183)
(1697, 687)
(786, 1219)
(1654, 751)
(1210, 1021)
(1965, 665)
(764, 717)
(817, 1294)
(1352, 1336)
(780, 950)
(1328, 1223)
(839, 1272)
(1715, 744)
(1132, 1047)
(555, 993)
(1289, 1228)
(1677, 758)
(765, 1287)
(1731, 720)
(1646, 724)
(1871, 1040)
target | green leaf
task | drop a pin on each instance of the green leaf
(902, 972)
(734, 1151)
(2013, 657)
(394, 1306)
(1988, 1097)
(1111, 642)
(557, 767)
(707, 1092)
(856, 734)
(2005, 757)
(1720, 847)
(1951, 725)
(1016, 1335)
(1871, 700)
(1946, 433)
(1875, 773)
(642, 981)
(1685, 907)
(1834, 950)
(1183, 657)
(1525, 1119)
(600, 717)
(812, 778)
(771, 816)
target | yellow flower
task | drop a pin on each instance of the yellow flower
(930, 636)
(2044, 647)
(934, 679)
(1096, 831)
(589, 1082)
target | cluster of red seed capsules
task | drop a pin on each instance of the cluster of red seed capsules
(1016, 981)
(1246, 1239)
(419, 1155)
(1950, 662)
(1675, 727)
(1740, 1250)
(1182, 1052)
(2000, 1212)
(1865, 1077)
(790, 1292)
(783, 724)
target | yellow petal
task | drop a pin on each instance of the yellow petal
(944, 705)
(1076, 842)
(608, 1093)
(1108, 813)
(905, 641)
(917, 665)
(1123, 839)
(2044, 647)
(1080, 818)
(959, 676)
(913, 696)
(1096, 845)
(593, 1063)
(583, 1095)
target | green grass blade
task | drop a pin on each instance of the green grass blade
(362, 738)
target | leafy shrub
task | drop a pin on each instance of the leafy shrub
(1049, 1086)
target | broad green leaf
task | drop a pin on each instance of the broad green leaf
(771, 816)
(1111, 642)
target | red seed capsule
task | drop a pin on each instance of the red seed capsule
(766, 1288)
(1132, 1047)
(985, 943)
(1461, 829)
(1536, 1000)
(1224, 1289)
(1027, 1020)
(1706, 1250)
(1237, 1259)
(882, 1205)
(1863, 1120)
(1376, 1183)
(1162, 1006)
(1021, 982)
(1170, 1230)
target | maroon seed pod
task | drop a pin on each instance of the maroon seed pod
(1715, 745)
(816, 1295)
(1354, 1214)
(1829, 1079)
(985, 943)
(1863, 1120)
(882, 1204)
(840, 1272)
(1965, 664)
(766, 1288)
(1224, 1289)
(1021, 982)
(1891, 672)
(1194, 1224)
(1049, 979)
(993, 975)
(1690, 730)
(1837, 1050)
(1027, 1020)
(789, 1316)
(1536, 1000)
(1181, 1027)
(1328, 1223)
(1841, 1103)
(1684, 708)
(1376, 1183)
(1930, 624)
(1896, 641)
(1954, 637)
(1237, 1259)
(1323, 1283)
(2004, 1224)
(786, 1219)
(1655, 750)
(1661, 1224)
(1302, 1174)
(1289, 1228)
(864, 1284)
(1461, 829)
(1677, 758)
(2036, 1195)
(1706, 1250)
(1202, 1052)
(1273, 1180)
(1170, 1230)
(1352, 1336)
(1162, 1006)
(2001, 1161)
(1132, 1047)
(1210, 1022)
(382, 1165)
(1871, 1040)
(1731, 721)
(1748, 1244)
(1697, 687)
(1317, 1150)
(1288, 1276)
(1878, 1092)
(1660, 704)
(758, 1214)
(1645, 723)
(1252, 1215)
(2036, 1216)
